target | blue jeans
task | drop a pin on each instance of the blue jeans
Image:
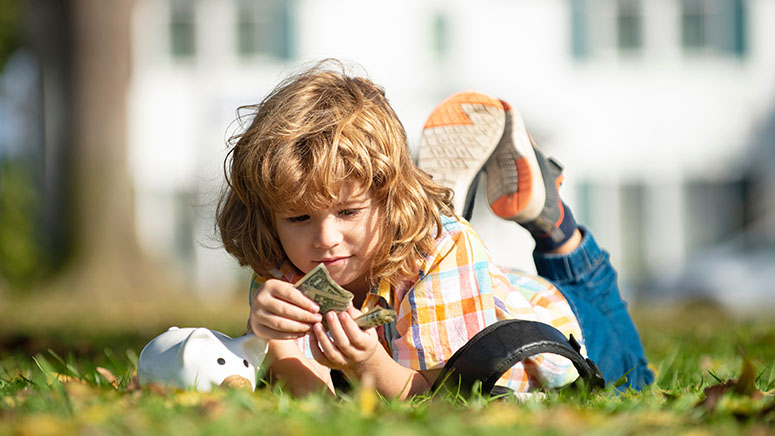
(588, 281)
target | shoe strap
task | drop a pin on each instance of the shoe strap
(500, 346)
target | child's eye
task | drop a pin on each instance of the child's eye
(298, 219)
(349, 212)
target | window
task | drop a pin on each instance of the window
(713, 210)
(182, 28)
(713, 26)
(605, 27)
(264, 28)
(632, 212)
(440, 36)
(629, 27)
(693, 22)
(578, 20)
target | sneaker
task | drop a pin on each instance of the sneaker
(522, 183)
(457, 140)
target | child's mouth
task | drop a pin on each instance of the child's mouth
(333, 261)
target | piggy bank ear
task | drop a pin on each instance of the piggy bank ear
(254, 348)
(197, 346)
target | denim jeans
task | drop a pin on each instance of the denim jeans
(588, 281)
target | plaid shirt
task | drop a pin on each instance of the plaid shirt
(457, 293)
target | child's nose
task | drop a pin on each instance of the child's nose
(329, 234)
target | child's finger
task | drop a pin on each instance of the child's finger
(357, 337)
(317, 353)
(286, 292)
(338, 334)
(328, 348)
(265, 332)
(283, 324)
(353, 312)
(293, 312)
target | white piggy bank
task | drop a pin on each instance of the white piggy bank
(200, 358)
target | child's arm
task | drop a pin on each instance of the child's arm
(280, 313)
(357, 353)
(302, 376)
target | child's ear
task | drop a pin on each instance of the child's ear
(255, 348)
(197, 346)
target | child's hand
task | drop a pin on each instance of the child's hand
(280, 311)
(348, 346)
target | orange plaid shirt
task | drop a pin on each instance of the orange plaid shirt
(457, 293)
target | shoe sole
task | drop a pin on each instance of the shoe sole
(458, 139)
(521, 194)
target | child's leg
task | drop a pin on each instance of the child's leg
(522, 186)
(588, 281)
(467, 132)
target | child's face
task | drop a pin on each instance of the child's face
(344, 237)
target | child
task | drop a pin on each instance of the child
(323, 175)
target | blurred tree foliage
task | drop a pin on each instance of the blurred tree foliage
(10, 28)
(20, 251)
(20, 254)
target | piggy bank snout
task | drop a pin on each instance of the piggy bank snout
(237, 382)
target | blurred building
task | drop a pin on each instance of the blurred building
(662, 110)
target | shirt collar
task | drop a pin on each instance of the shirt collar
(380, 291)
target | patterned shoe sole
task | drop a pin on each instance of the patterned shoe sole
(515, 183)
(458, 139)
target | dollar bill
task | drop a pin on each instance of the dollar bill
(375, 317)
(319, 287)
(327, 302)
(318, 278)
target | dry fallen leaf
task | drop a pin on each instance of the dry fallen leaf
(158, 389)
(79, 391)
(746, 383)
(65, 378)
(713, 394)
(107, 375)
(134, 384)
(742, 387)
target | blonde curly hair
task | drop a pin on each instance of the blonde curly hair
(313, 133)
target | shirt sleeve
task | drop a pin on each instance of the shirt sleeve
(255, 283)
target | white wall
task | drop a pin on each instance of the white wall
(658, 117)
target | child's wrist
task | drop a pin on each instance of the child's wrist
(368, 365)
(282, 348)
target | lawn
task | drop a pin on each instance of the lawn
(67, 368)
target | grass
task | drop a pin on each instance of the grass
(715, 375)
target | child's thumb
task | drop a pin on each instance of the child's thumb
(352, 311)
